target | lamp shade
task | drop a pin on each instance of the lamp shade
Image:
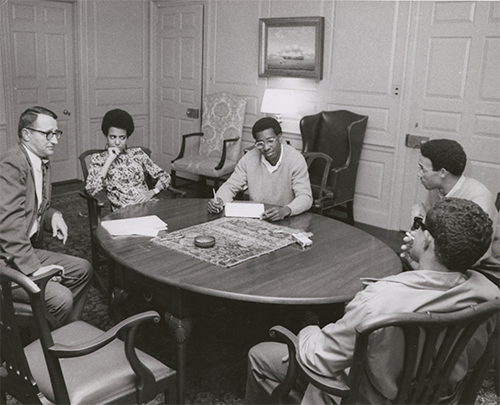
(279, 101)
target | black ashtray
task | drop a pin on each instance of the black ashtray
(204, 241)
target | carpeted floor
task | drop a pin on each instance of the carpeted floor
(221, 337)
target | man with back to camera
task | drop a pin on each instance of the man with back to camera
(25, 213)
(454, 235)
(440, 169)
(274, 172)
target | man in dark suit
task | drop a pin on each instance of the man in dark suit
(25, 213)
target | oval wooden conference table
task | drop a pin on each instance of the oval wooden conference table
(327, 272)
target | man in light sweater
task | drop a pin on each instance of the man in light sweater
(274, 173)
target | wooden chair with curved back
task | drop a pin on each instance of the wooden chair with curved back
(426, 347)
(338, 134)
(77, 363)
(318, 166)
(23, 310)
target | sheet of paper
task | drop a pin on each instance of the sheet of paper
(145, 226)
(244, 209)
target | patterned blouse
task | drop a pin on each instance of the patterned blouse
(126, 177)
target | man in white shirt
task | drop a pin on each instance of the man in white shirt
(440, 169)
(25, 214)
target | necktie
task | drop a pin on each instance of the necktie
(45, 167)
(43, 203)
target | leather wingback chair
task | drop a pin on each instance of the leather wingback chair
(340, 135)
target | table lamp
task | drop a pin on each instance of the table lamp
(278, 102)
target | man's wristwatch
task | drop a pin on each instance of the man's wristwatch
(156, 191)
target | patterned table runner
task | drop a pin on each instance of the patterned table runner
(237, 240)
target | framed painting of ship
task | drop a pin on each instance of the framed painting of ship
(291, 47)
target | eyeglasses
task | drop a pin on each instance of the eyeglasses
(49, 134)
(418, 222)
(421, 169)
(268, 142)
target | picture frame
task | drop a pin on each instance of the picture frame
(291, 47)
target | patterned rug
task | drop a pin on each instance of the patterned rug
(221, 337)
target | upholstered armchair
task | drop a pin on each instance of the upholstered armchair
(219, 140)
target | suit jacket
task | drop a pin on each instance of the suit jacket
(19, 208)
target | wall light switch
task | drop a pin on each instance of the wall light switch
(415, 141)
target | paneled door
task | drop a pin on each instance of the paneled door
(42, 71)
(178, 57)
(456, 91)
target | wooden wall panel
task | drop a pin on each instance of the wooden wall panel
(118, 56)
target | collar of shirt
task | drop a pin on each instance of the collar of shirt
(456, 187)
(268, 165)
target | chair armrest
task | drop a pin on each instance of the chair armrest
(224, 151)
(99, 201)
(66, 351)
(183, 146)
(246, 150)
(145, 381)
(8, 259)
(329, 385)
(26, 281)
(176, 192)
(43, 279)
(281, 392)
(95, 204)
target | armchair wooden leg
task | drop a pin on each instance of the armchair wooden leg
(3, 395)
(496, 374)
(173, 177)
(350, 212)
(96, 264)
(171, 392)
(203, 182)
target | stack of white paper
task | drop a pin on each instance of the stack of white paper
(144, 226)
(244, 209)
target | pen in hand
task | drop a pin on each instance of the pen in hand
(216, 202)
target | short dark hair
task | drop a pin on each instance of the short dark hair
(29, 116)
(266, 123)
(119, 119)
(445, 153)
(462, 232)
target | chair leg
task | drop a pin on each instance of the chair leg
(496, 374)
(3, 395)
(96, 264)
(350, 212)
(203, 181)
(173, 177)
(171, 392)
